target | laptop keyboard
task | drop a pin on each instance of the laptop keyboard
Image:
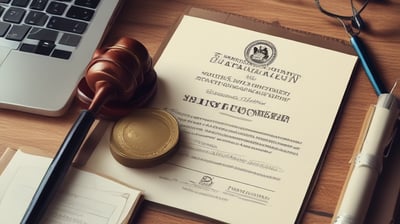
(45, 27)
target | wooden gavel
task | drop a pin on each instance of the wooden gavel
(119, 79)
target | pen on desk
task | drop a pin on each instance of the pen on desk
(58, 168)
(368, 163)
(367, 64)
(353, 25)
(110, 82)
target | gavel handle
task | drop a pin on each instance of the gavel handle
(58, 168)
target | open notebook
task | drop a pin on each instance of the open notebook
(84, 198)
(45, 46)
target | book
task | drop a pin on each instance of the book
(84, 197)
(256, 105)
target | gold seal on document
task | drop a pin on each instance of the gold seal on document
(144, 138)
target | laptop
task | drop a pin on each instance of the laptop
(45, 46)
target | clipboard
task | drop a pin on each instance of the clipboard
(385, 204)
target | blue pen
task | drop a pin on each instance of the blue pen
(353, 25)
(367, 64)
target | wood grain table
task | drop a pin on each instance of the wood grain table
(150, 21)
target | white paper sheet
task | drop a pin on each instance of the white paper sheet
(84, 198)
(255, 113)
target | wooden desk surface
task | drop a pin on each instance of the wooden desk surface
(149, 22)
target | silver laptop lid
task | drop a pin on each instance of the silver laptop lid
(42, 84)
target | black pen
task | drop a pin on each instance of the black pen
(58, 169)
(108, 80)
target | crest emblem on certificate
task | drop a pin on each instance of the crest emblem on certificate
(260, 53)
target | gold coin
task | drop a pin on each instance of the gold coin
(144, 138)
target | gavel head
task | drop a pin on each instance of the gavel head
(118, 79)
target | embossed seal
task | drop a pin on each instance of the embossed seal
(260, 53)
(144, 138)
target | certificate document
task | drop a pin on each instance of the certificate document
(255, 112)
